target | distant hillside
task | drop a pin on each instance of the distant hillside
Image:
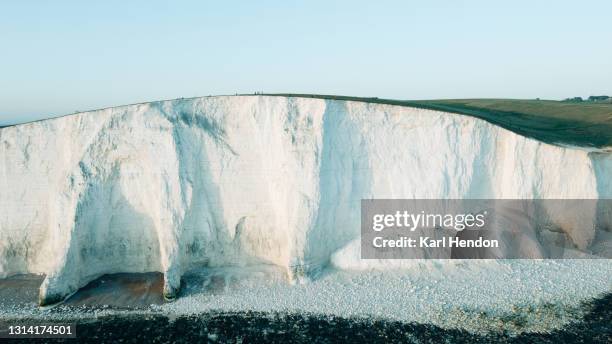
(591, 99)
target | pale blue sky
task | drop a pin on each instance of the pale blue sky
(57, 57)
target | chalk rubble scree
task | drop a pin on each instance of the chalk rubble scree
(247, 180)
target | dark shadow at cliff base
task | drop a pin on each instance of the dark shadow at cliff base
(123, 290)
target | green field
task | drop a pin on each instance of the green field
(563, 123)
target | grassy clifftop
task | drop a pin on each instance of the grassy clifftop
(585, 124)
(581, 124)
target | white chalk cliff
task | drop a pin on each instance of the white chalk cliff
(245, 180)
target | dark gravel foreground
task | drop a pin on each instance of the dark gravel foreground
(250, 327)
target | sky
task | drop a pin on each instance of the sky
(58, 57)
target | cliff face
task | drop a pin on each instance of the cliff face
(166, 186)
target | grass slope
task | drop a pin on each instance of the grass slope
(561, 123)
